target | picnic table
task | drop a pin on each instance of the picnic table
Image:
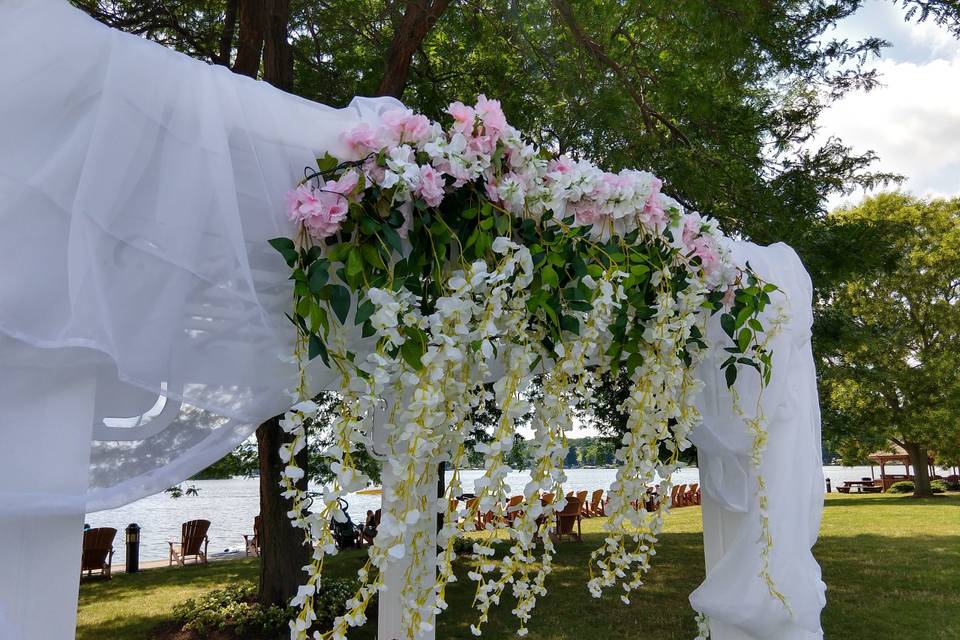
(860, 485)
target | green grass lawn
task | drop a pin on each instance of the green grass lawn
(891, 564)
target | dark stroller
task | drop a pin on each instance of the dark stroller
(345, 533)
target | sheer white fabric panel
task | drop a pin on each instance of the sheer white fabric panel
(138, 188)
(733, 594)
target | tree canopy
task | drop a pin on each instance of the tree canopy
(721, 99)
(889, 333)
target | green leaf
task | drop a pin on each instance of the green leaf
(372, 256)
(326, 163)
(287, 249)
(571, 324)
(364, 311)
(731, 375)
(728, 324)
(303, 307)
(318, 277)
(392, 238)
(412, 350)
(549, 277)
(315, 347)
(744, 338)
(354, 262)
(340, 301)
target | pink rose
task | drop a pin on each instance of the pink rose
(431, 186)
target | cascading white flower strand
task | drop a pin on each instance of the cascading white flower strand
(433, 354)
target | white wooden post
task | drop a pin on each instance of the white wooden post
(390, 607)
(40, 546)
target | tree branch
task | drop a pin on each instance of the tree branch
(604, 60)
(418, 19)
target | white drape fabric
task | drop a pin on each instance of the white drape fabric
(138, 189)
(734, 596)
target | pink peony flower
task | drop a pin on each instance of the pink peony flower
(403, 125)
(362, 139)
(345, 184)
(431, 186)
(464, 117)
(562, 164)
(321, 211)
(491, 115)
(653, 215)
(588, 212)
(704, 248)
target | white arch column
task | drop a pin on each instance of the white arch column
(46, 417)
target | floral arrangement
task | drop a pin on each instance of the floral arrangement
(466, 255)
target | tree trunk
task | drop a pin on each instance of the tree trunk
(282, 552)
(253, 28)
(264, 27)
(229, 30)
(921, 475)
(418, 18)
(277, 53)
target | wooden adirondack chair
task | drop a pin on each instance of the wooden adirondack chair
(677, 496)
(98, 551)
(193, 543)
(693, 494)
(582, 497)
(512, 510)
(252, 542)
(595, 508)
(480, 519)
(566, 519)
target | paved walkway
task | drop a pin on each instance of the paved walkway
(155, 564)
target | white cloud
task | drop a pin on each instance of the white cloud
(912, 121)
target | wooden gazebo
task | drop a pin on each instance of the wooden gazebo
(896, 455)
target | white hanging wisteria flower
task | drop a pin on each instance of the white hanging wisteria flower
(479, 272)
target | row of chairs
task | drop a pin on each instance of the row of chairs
(685, 496)
(98, 543)
(98, 547)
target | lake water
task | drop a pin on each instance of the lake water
(231, 505)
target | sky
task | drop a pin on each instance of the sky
(912, 121)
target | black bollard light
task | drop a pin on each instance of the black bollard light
(829, 488)
(133, 547)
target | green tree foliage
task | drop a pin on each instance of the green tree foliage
(888, 334)
(718, 98)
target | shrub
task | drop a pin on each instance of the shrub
(938, 486)
(905, 486)
(462, 546)
(953, 484)
(235, 610)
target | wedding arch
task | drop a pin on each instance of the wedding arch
(147, 326)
